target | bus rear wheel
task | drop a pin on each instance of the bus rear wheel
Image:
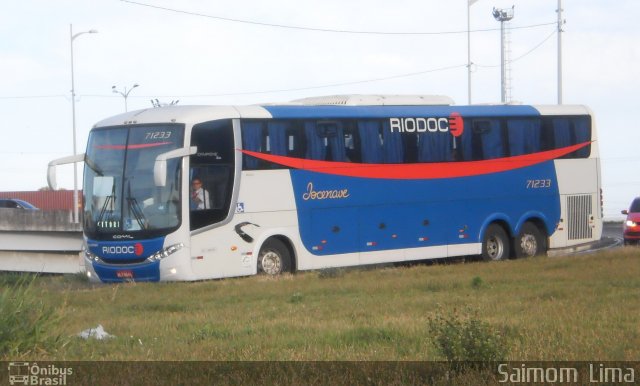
(530, 241)
(274, 258)
(495, 244)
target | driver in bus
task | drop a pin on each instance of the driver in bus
(199, 196)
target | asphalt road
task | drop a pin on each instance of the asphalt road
(612, 229)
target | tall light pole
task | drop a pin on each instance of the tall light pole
(125, 93)
(73, 114)
(503, 16)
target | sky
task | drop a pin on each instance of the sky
(248, 51)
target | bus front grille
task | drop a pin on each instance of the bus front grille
(122, 262)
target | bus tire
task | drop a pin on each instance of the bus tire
(274, 258)
(495, 243)
(530, 241)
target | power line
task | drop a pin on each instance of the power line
(318, 87)
(317, 29)
(34, 96)
(406, 75)
(261, 91)
(525, 54)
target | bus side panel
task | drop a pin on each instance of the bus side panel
(374, 215)
(220, 253)
(266, 207)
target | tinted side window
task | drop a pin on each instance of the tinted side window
(490, 138)
(378, 144)
(483, 138)
(325, 140)
(277, 137)
(373, 141)
(559, 132)
(524, 135)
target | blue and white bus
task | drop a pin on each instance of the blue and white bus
(198, 192)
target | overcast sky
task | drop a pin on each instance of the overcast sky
(239, 52)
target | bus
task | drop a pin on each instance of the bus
(201, 192)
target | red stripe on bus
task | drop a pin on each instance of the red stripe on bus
(418, 170)
(138, 146)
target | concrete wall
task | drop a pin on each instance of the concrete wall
(42, 262)
(37, 221)
(39, 241)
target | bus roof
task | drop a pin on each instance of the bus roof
(376, 100)
(337, 106)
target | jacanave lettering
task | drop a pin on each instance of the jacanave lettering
(311, 194)
(119, 250)
(420, 125)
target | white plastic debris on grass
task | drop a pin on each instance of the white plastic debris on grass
(95, 333)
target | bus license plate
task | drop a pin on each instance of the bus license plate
(125, 274)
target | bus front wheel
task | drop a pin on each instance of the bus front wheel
(274, 258)
(495, 244)
(530, 241)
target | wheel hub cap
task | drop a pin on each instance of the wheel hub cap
(529, 245)
(271, 263)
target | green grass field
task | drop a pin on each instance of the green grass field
(563, 308)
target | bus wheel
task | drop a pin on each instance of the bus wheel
(274, 258)
(495, 244)
(530, 241)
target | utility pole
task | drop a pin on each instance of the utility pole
(469, 4)
(560, 23)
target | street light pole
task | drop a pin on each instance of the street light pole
(73, 115)
(124, 93)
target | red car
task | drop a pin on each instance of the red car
(631, 227)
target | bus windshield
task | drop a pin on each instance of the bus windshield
(119, 191)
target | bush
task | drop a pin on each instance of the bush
(476, 283)
(297, 297)
(466, 338)
(25, 321)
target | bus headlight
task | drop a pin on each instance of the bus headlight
(630, 223)
(168, 251)
(91, 256)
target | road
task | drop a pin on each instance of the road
(612, 229)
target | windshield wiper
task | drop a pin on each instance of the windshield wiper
(134, 208)
(111, 199)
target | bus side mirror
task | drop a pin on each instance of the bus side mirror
(51, 169)
(625, 212)
(160, 167)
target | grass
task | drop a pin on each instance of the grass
(566, 308)
(26, 320)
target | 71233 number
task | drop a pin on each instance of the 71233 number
(538, 184)
(157, 135)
